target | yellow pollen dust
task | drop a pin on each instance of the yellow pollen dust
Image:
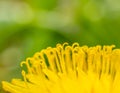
(69, 69)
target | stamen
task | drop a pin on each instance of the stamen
(70, 69)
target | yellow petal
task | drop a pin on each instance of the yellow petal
(70, 69)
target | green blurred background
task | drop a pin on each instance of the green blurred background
(27, 26)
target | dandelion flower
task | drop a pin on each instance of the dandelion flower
(70, 69)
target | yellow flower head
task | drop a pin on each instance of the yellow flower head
(70, 69)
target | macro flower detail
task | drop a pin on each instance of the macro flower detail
(70, 69)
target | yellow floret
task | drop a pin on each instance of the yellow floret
(70, 69)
